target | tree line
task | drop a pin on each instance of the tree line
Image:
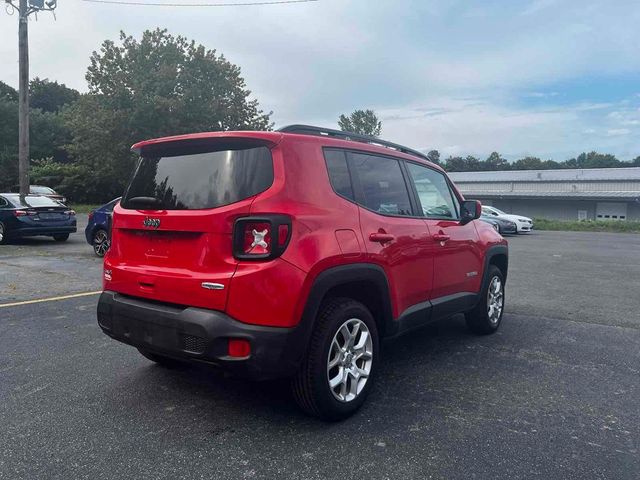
(496, 162)
(156, 86)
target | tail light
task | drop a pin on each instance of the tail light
(90, 216)
(261, 238)
(24, 213)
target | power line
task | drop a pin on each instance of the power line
(158, 4)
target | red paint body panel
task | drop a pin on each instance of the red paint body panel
(458, 261)
(265, 293)
(407, 260)
(169, 264)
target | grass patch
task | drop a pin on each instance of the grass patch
(83, 207)
(615, 226)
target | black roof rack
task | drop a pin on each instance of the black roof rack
(330, 132)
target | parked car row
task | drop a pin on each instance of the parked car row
(36, 220)
(522, 224)
(43, 213)
(31, 215)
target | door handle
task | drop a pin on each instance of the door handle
(381, 237)
(441, 237)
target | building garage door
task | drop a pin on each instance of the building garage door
(611, 211)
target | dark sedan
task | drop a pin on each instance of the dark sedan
(34, 215)
(501, 225)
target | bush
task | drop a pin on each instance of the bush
(618, 226)
(75, 181)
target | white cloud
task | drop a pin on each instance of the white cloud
(442, 74)
(614, 132)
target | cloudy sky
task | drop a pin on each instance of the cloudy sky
(550, 78)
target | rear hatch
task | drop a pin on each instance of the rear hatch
(172, 231)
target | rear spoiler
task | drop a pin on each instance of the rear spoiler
(208, 141)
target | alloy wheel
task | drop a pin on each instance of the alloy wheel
(100, 243)
(495, 300)
(350, 360)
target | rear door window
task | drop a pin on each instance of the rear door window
(381, 185)
(199, 179)
(434, 194)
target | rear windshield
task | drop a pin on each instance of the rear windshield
(40, 190)
(32, 201)
(199, 180)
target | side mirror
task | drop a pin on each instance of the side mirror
(470, 210)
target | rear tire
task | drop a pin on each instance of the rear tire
(61, 238)
(100, 242)
(339, 367)
(486, 317)
(160, 359)
(3, 234)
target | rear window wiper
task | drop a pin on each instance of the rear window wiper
(144, 202)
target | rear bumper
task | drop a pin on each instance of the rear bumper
(41, 230)
(199, 335)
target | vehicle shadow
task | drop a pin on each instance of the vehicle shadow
(212, 392)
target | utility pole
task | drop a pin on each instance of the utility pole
(25, 8)
(23, 98)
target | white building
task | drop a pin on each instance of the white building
(571, 194)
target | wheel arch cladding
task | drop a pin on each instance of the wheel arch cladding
(497, 255)
(364, 282)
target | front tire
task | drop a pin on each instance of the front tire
(61, 238)
(485, 318)
(338, 369)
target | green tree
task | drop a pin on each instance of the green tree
(495, 162)
(455, 164)
(364, 122)
(48, 136)
(50, 96)
(434, 156)
(527, 163)
(596, 160)
(8, 93)
(156, 86)
(472, 164)
(8, 142)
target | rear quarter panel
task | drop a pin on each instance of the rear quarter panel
(302, 190)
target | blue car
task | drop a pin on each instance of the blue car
(33, 215)
(99, 227)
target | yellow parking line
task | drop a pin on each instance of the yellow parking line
(51, 299)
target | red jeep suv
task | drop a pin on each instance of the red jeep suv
(293, 254)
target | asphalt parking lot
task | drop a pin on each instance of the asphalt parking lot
(554, 394)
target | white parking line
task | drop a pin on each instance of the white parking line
(50, 299)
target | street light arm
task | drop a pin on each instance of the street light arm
(10, 3)
(49, 8)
